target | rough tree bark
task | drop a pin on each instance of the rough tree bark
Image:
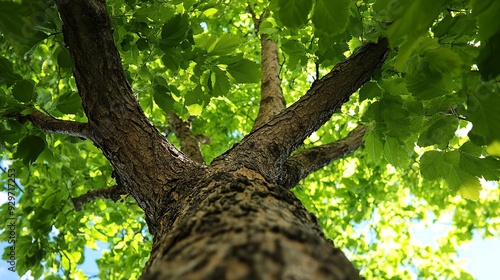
(234, 219)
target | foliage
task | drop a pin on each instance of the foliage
(432, 109)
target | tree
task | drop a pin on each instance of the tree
(106, 106)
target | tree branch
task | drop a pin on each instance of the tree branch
(257, 20)
(271, 94)
(266, 149)
(146, 164)
(97, 64)
(114, 193)
(189, 142)
(50, 124)
(305, 162)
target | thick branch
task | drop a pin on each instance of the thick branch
(97, 64)
(114, 193)
(145, 162)
(305, 162)
(189, 142)
(266, 149)
(271, 94)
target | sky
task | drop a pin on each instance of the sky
(480, 258)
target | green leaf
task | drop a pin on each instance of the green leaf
(330, 16)
(432, 165)
(482, 111)
(18, 24)
(444, 61)
(488, 167)
(3, 99)
(194, 109)
(458, 180)
(156, 13)
(12, 135)
(440, 104)
(440, 131)
(369, 90)
(24, 90)
(411, 25)
(196, 96)
(172, 61)
(206, 80)
(293, 47)
(488, 58)
(452, 157)
(220, 82)
(268, 27)
(245, 71)
(49, 201)
(175, 30)
(470, 149)
(397, 120)
(374, 147)
(164, 101)
(29, 148)
(479, 6)
(425, 84)
(456, 27)
(415, 20)
(160, 85)
(464, 184)
(7, 74)
(373, 112)
(229, 59)
(142, 44)
(296, 51)
(487, 14)
(205, 40)
(224, 45)
(64, 58)
(69, 103)
(294, 13)
(394, 153)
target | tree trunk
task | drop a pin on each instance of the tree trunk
(237, 226)
(234, 219)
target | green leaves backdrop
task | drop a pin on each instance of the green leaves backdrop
(433, 113)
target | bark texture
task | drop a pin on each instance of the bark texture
(114, 193)
(52, 125)
(271, 95)
(236, 227)
(266, 149)
(234, 219)
(305, 162)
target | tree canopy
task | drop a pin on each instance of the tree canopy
(427, 122)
